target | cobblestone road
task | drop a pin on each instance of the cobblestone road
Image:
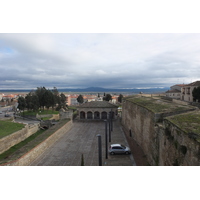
(82, 139)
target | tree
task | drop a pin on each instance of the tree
(80, 99)
(40, 92)
(108, 97)
(55, 91)
(120, 98)
(32, 101)
(196, 94)
(49, 100)
(21, 103)
(63, 100)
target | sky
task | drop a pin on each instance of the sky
(102, 43)
(107, 43)
(108, 60)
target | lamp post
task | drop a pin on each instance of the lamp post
(109, 128)
(106, 139)
(111, 116)
(100, 150)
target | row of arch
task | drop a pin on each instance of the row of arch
(95, 115)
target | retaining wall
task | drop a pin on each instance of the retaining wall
(8, 141)
(30, 156)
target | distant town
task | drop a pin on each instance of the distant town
(177, 91)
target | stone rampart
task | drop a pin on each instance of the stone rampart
(180, 102)
(162, 142)
(176, 147)
(30, 156)
(8, 141)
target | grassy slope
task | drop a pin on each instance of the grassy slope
(23, 147)
(8, 127)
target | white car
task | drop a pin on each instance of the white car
(119, 149)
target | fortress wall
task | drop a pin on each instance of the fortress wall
(141, 123)
(177, 147)
(162, 142)
(30, 156)
(16, 137)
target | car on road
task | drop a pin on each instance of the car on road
(1, 112)
(119, 149)
(7, 115)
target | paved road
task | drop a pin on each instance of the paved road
(82, 139)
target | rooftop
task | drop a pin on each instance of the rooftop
(196, 83)
(173, 91)
(98, 104)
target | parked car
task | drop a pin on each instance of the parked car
(1, 112)
(119, 149)
(7, 115)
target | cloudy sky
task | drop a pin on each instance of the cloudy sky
(98, 60)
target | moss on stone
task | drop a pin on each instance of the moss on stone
(188, 122)
(158, 105)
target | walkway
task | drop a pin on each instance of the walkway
(82, 139)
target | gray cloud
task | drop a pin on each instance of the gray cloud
(104, 60)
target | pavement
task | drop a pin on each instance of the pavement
(82, 139)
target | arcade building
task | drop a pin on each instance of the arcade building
(97, 110)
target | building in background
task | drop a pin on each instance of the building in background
(186, 91)
(175, 91)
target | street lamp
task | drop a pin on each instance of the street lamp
(111, 116)
(100, 150)
(109, 128)
(106, 139)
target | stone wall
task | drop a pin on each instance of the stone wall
(41, 116)
(162, 142)
(30, 156)
(66, 114)
(16, 137)
(176, 147)
(180, 102)
(55, 116)
(140, 122)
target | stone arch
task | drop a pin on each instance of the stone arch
(82, 115)
(89, 115)
(104, 115)
(96, 115)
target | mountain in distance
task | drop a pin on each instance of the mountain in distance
(99, 89)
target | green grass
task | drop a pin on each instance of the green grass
(8, 127)
(45, 112)
(158, 105)
(150, 104)
(26, 145)
(189, 122)
(19, 145)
